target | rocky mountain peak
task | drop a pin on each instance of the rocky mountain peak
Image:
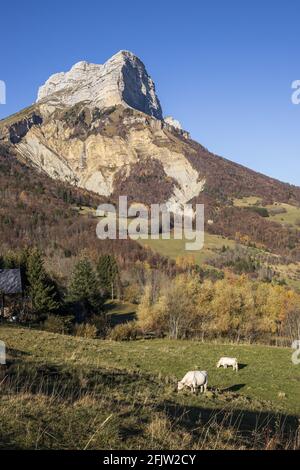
(123, 79)
(173, 122)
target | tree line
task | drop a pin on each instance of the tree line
(191, 304)
(88, 288)
(234, 307)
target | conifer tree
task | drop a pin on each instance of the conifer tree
(41, 290)
(107, 270)
(84, 288)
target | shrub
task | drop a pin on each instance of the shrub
(132, 293)
(54, 324)
(67, 253)
(86, 330)
(262, 211)
(124, 332)
(100, 322)
(212, 273)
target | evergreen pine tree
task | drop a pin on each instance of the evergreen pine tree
(107, 270)
(41, 290)
(84, 288)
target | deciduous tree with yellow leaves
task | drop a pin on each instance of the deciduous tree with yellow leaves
(234, 307)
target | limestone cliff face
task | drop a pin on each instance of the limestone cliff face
(123, 79)
(93, 149)
(100, 127)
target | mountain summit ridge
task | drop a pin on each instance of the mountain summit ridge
(86, 129)
(122, 79)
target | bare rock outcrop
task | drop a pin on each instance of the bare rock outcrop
(173, 122)
(123, 79)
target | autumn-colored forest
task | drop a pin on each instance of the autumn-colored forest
(69, 274)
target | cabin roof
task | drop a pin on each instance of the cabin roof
(10, 281)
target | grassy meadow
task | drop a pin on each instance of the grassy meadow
(67, 392)
(175, 248)
(289, 216)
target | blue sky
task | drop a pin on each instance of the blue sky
(223, 68)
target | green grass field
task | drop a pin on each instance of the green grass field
(247, 201)
(290, 273)
(290, 216)
(175, 248)
(67, 392)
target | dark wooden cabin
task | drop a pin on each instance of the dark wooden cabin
(10, 285)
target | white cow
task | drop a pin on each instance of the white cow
(228, 362)
(194, 379)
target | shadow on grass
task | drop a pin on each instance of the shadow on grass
(119, 318)
(115, 315)
(255, 428)
(14, 356)
(233, 388)
(68, 383)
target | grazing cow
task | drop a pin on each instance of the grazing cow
(228, 362)
(194, 379)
